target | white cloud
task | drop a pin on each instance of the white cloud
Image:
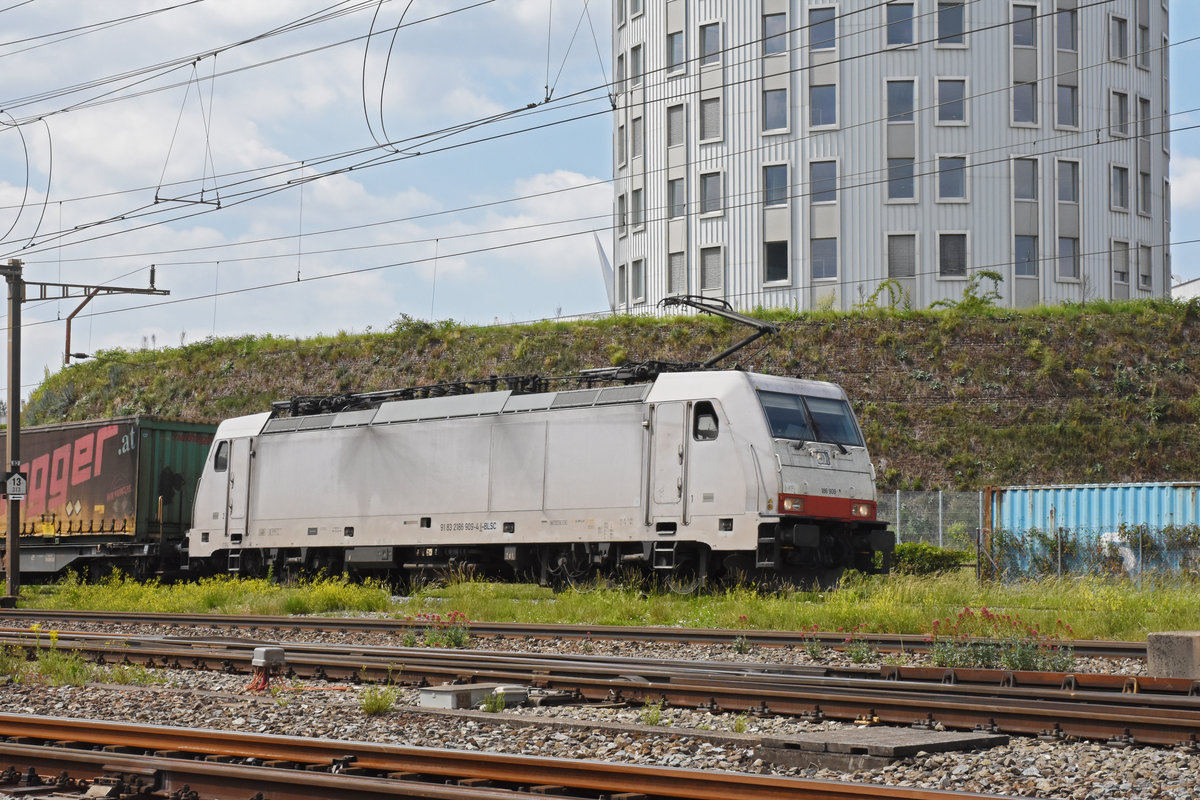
(1185, 182)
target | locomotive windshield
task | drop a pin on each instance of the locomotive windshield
(817, 419)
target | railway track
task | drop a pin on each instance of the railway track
(162, 762)
(888, 643)
(1106, 708)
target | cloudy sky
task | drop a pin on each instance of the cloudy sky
(288, 172)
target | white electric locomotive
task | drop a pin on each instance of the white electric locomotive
(691, 475)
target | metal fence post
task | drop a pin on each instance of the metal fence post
(898, 537)
(1058, 538)
(940, 527)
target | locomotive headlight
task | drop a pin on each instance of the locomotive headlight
(793, 505)
(863, 510)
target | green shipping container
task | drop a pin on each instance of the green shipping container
(108, 494)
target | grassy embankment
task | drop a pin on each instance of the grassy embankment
(956, 398)
(1092, 607)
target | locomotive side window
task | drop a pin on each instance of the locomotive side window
(704, 422)
(786, 416)
(221, 459)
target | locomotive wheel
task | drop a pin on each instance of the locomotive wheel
(685, 578)
(577, 570)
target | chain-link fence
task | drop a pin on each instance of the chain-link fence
(1129, 551)
(946, 519)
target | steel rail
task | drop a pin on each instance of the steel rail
(367, 662)
(378, 759)
(1021, 706)
(886, 642)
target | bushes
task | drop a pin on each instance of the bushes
(919, 558)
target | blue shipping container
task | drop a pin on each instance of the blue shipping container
(1089, 529)
(1093, 507)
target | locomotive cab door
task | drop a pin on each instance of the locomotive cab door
(668, 456)
(237, 489)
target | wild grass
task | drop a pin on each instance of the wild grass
(1095, 607)
(218, 595)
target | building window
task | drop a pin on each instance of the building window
(1119, 190)
(637, 276)
(1144, 117)
(1024, 26)
(710, 119)
(775, 110)
(900, 23)
(620, 144)
(952, 255)
(1144, 258)
(1068, 258)
(1066, 29)
(822, 184)
(775, 262)
(901, 96)
(675, 59)
(952, 100)
(951, 23)
(676, 198)
(1118, 112)
(635, 8)
(620, 11)
(775, 185)
(710, 44)
(1118, 39)
(1024, 103)
(952, 178)
(824, 259)
(902, 255)
(635, 208)
(1025, 252)
(621, 216)
(901, 183)
(710, 193)
(675, 121)
(622, 290)
(1119, 261)
(1144, 193)
(712, 268)
(822, 105)
(822, 29)
(635, 65)
(774, 34)
(677, 273)
(1025, 179)
(1067, 107)
(1143, 45)
(621, 72)
(637, 143)
(1068, 181)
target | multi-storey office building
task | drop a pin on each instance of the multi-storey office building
(801, 153)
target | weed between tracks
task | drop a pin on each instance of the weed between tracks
(1095, 607)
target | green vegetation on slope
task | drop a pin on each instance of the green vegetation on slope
(956, 398)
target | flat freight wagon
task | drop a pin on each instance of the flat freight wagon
(107, 494)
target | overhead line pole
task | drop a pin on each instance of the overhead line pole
(18, 293)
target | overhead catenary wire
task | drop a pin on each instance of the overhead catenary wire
(843, 127)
